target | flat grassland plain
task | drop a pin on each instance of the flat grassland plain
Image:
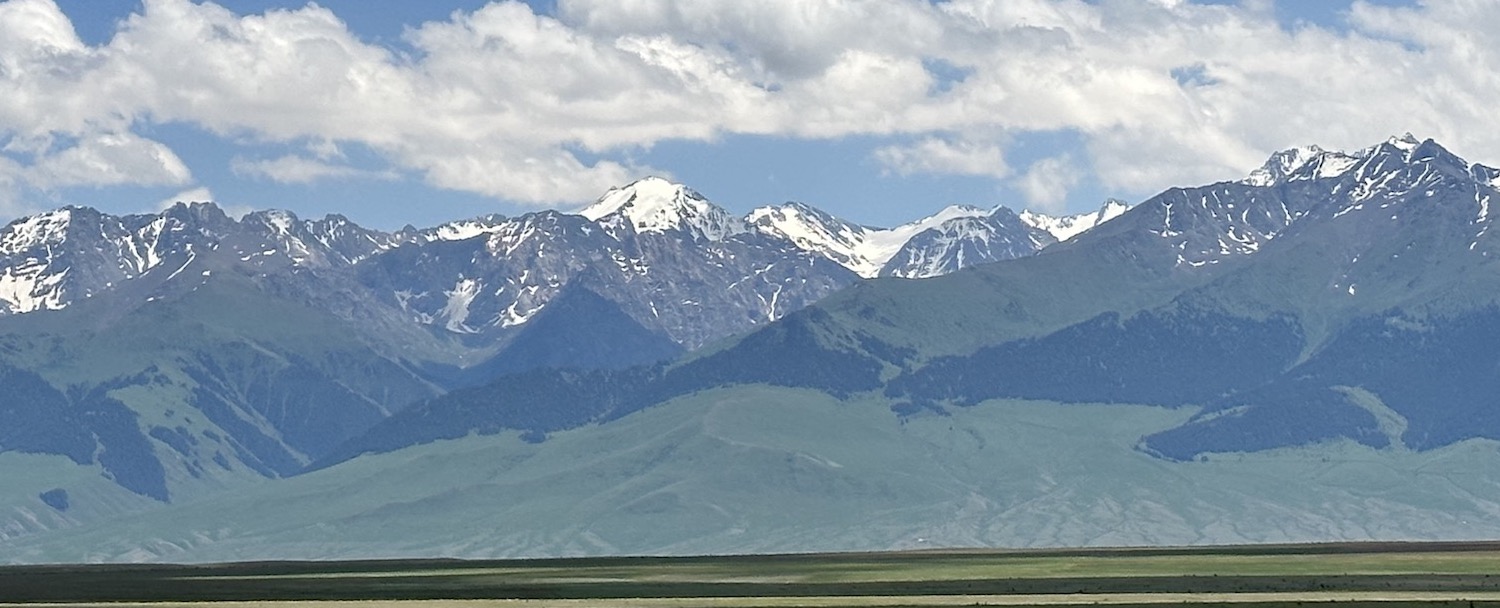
(1356, 574)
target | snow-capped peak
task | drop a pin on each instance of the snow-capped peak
(279, 220)
(28, 281)
(813, 230)
(1112, 209)
(946, 213)
(1313, 162)
(654, 204)
(1069, 226)
(1283, 164)
(883, 244)
(26, 232)
(1405, 143)
(465, 229)
(862, 249)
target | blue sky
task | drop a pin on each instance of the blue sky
(398, 112)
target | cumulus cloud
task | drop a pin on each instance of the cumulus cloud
(506, 102)
(110, 160)
(1047, 182)
(11, 205)
(944, 156)
(295, 169)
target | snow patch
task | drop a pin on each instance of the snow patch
(1405, 143)
(514, 315)
(464, 230)
(1335, 164)
(281, 221)
(862, 249)
(457, 309)
(1282, 165)
(1069, 226)
(30, 288)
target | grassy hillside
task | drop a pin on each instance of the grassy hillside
(762, 469)
(994, 303)
(216, 385)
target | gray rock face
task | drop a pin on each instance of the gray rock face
(954, 238)
(50, 260)
(1210, 224)
(689, 288)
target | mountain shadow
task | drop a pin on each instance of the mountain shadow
(578, 329)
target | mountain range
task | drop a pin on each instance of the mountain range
(52, 260)
(179, 353)
(1304, 354)
(1287, 305)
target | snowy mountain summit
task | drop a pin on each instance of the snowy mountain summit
(955, 237)
(1208, 224)
(1068, 226)
(862, 249)
(1313, 162)
(51, 260)
(657, 205)
(654, 204)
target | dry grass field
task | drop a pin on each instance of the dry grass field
(1387, 575)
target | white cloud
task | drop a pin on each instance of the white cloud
(781, 41)
(110, 160)
(1047, 182)
(47, 73)
(294, 169)
(939, 155)
(499, 100)
(11, 204)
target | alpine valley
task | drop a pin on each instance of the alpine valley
(1305, 354)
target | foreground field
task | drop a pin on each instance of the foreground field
(1352, 574)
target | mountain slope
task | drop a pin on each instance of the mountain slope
(861, 249)
(1306, 354)
(203, 387)
(657, 205)
(1069, 226)
(183, 352)
(689, 289)
(962, 242)
(674, 261)
(847, 344)
(578, 329)
(1219, 297)
(1396, 287)
(1364, 313)
(954, 238)
(759, 469)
